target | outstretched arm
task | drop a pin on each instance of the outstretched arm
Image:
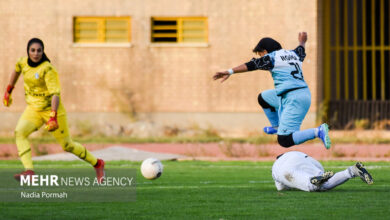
(302, 38)
(226, 74)
(14, 78)
(7, 100)
(263, 63)
(300, 50)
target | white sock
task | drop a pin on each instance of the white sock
(336, 180)
(351, 172)
(316, 132)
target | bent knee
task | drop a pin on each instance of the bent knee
(24, 128)
(264, 104)
(20, 134)
(286, 140)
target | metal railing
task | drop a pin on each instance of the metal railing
(363, 114)
(356, 60)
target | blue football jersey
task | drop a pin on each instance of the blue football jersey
(285, 67)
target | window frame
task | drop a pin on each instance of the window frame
(179, 35)
(101, 31)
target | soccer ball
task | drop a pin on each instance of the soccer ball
(151, 168)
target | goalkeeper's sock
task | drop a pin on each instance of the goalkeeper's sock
(27, 160)
(80, 151)
(302, 136)
(22, 131)
(24, 151)
(338, 179)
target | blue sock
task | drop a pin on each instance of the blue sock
(302, 136)
(272, 117)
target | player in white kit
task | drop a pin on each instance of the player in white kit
(296, 170)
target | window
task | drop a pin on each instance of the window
(179, 30)
(101, 30)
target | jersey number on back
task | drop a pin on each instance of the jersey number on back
(297, 73)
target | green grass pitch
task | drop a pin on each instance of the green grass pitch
(220, 190)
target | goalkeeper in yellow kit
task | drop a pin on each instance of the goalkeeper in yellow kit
(42, 93)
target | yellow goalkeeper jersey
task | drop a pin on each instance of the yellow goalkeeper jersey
(40, 83)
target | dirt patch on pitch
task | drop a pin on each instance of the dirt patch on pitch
(228, 151)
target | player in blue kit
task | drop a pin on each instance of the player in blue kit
(287, 105)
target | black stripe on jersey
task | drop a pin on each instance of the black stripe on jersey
(262, 63)
(300, 52)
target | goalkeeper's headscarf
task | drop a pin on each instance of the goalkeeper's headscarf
(44, 57)
(268, 44)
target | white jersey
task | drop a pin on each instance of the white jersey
(294, 170)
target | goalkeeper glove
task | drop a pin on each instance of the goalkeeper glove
(7, 100)
(52, 124)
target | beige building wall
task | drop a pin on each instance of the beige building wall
(154, 79)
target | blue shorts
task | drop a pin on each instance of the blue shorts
(293, 108)
(271, 98)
